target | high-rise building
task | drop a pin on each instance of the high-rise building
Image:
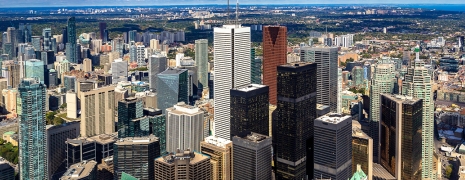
(82, 170)
(357, 76)
(382, 82)
(417, 83)
(362, 151)
(136, 156)
(102, 27)
(79, 149)
(56, 145)
(401, 135)
(256, 70)
(333, 135)
(293, 119)
(157, 126)
(98, 111)
(154, 44)
(132, 36)
(252, 156)
(249, 109)
(157, 64)
(274, 54)
(232, 69)
(201, 61)
(326, 59)
(11, 70)
(183, 164)
(6, 171)
(12, 38)
(220, 152)
(47, 39)
(71, 32)
(140, 50)
(32, 136)
(184, 127)
(172, 87)
(35, 69)
(130, 110)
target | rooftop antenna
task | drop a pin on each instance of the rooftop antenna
(237, 13)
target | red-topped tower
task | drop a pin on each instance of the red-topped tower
(274, 54)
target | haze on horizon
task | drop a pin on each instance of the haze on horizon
(64, 3)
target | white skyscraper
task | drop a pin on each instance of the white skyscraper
(232, 69)
(184, 127)
(141, 56)
(339, 90)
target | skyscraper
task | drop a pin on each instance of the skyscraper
(184, 127)
(157, 126)
(157, 64)
(274, 54)
(201, 61)
(56, 145)
(252, 156)
(220, 152)
(250, 109)
(183, 164)
(232, 69)
(256, 70)
(35, 69)
(418, 84)
(11, 70)
(326, 58)
(333, 147)
(401, 135)
(6, 171)
(102, 27)
(362, 151)
(140, 55)
(382, 82)
(130, 110)
(32, 137)
(97, 111)
(136, 156)
(172, 86)
(47, 39)
(71, 32)
(293, 119)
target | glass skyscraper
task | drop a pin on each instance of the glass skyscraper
(172, 87)
(157, 126)
(71, 53)
(130, 114)
(35, 69)
(201, 61)
(32, 133)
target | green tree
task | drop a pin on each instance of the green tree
(449, 171)
(58, 121)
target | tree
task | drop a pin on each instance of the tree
(63, 106)
(58, 121)
(449, 171)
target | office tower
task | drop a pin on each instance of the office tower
(357, 76)
(220, 152)
(339, 90)
(36, 43)
(97, 111)
(256, 70)
(183, 164)
(70, 83)
(140, 50)
(6, 171)
(172, 87)
(87, 65)
(157, 126)
(79, 150)
(11, 70)
(102, 27)
(82, 170)
(117, 45)
(32, 137)
(154, 44)
(333, 135)
(401, 135)
(132, 36)
(64, 33)
(249, 109)
(52, 78)
(201, 61)
(326, 59)
(274, 54)
(293, 118)
(53, 44)
(362, 151)
(71, 41)
(47, 41)
(130, 110)
(232, 69)
(11, 38)
(104, 144)
(119, 70)
(35, 69)
(252, 156)
(56, 145)
(417, 83)
(382, 82)
(157, 64)
(136, 156)
(184, 127)
(8, 49)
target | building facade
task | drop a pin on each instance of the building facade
(274, 54)
(362, 151)
(252, 156)
(184, 164)
(201, 61)
(98, 111)
(130, 114)
(56, 145)
(184, 127)
(157, 64)
(220, 152)
(172, 87)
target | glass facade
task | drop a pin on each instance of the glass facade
(293, 119)
(201, 61)
(71, 47)
(32, 133)
(130, 110)
(172, 87)
(35, 69)
(158, 129)
(256, 74)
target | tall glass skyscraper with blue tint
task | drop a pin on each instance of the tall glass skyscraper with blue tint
(71, 47)
(172, 87)
(35, 69)
(32, 137)
(131, 122)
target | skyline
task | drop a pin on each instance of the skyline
(84, 3)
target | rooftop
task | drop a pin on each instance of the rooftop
(333, 118)
(79, 170)
(401, 98)
(137, 140)
(217, 141)
(194, 157)
(183, 108)
(105, 138)
(171, 71)
(250, 87)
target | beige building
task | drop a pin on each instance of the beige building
(98, 111)
(87, 65)
(12, 71)
(9, 98)
(81, 170)
(72, 105)
(220, 152)
(183, 165)
(154, 44)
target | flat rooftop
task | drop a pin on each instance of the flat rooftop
(401, 98)
(105, 138)
(333, 118)
(79, 170)
(171, 71)
(194, 157)
(137, 140)
(217, 141)
(250, 87)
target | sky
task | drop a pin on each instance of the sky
(58, 3)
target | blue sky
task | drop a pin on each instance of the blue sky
(45, 3)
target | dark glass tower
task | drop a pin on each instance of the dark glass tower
(293, 119)
(102, 27)
(250, 109)
(172, 87)
(72, 57)
(130, 118)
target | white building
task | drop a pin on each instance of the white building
(232, 67)
(141, 55)
(184, 127)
